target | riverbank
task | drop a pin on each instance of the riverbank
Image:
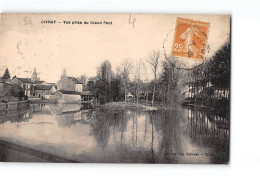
(39, 100)
(10, 152)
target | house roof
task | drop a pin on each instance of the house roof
(25, 80)
(7, 80)
(69, 92)
(74, 79)
(43, 87)
(54, 84)
(90, 93)
(38, 82)
(15, 85)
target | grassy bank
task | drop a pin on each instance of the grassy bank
(122, 105)
(129, 105)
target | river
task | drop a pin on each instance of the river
(181, 135)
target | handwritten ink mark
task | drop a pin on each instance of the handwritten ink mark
(131, 22)
(19, 52)
(27, 20)
(18, 47)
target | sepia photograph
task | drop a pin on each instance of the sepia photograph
(115, 88)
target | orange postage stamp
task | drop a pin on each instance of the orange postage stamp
(190, 38)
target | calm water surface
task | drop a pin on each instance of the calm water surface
(128, 136)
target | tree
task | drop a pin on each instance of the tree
(6, 74)
(106, 86)
(103, 91)
(220, 67)
(146, 81)
(83, 79)
(105, 71)
(137, 79)
(168, 82)
(125, 71)
(154, 62)
(91, 84)
(117, 93)
(116, 85)
(103, 83)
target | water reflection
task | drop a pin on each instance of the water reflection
(129, 136)
(16, 115)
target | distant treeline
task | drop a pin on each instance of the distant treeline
(147, 81)
(157, 80)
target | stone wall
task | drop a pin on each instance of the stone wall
(68, 98)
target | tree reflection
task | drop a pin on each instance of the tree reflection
(134, 135)
(208, 129)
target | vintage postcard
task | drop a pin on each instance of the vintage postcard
(115, 88)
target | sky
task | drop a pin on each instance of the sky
(27, 42)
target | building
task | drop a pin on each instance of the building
(34, 87)
(43, 91)
(24, 83)
(129, 95)
(69, 97)
(39, 83)
(68, 90)
(209, 80)
(69, 84)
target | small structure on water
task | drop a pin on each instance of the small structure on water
(87, 99)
